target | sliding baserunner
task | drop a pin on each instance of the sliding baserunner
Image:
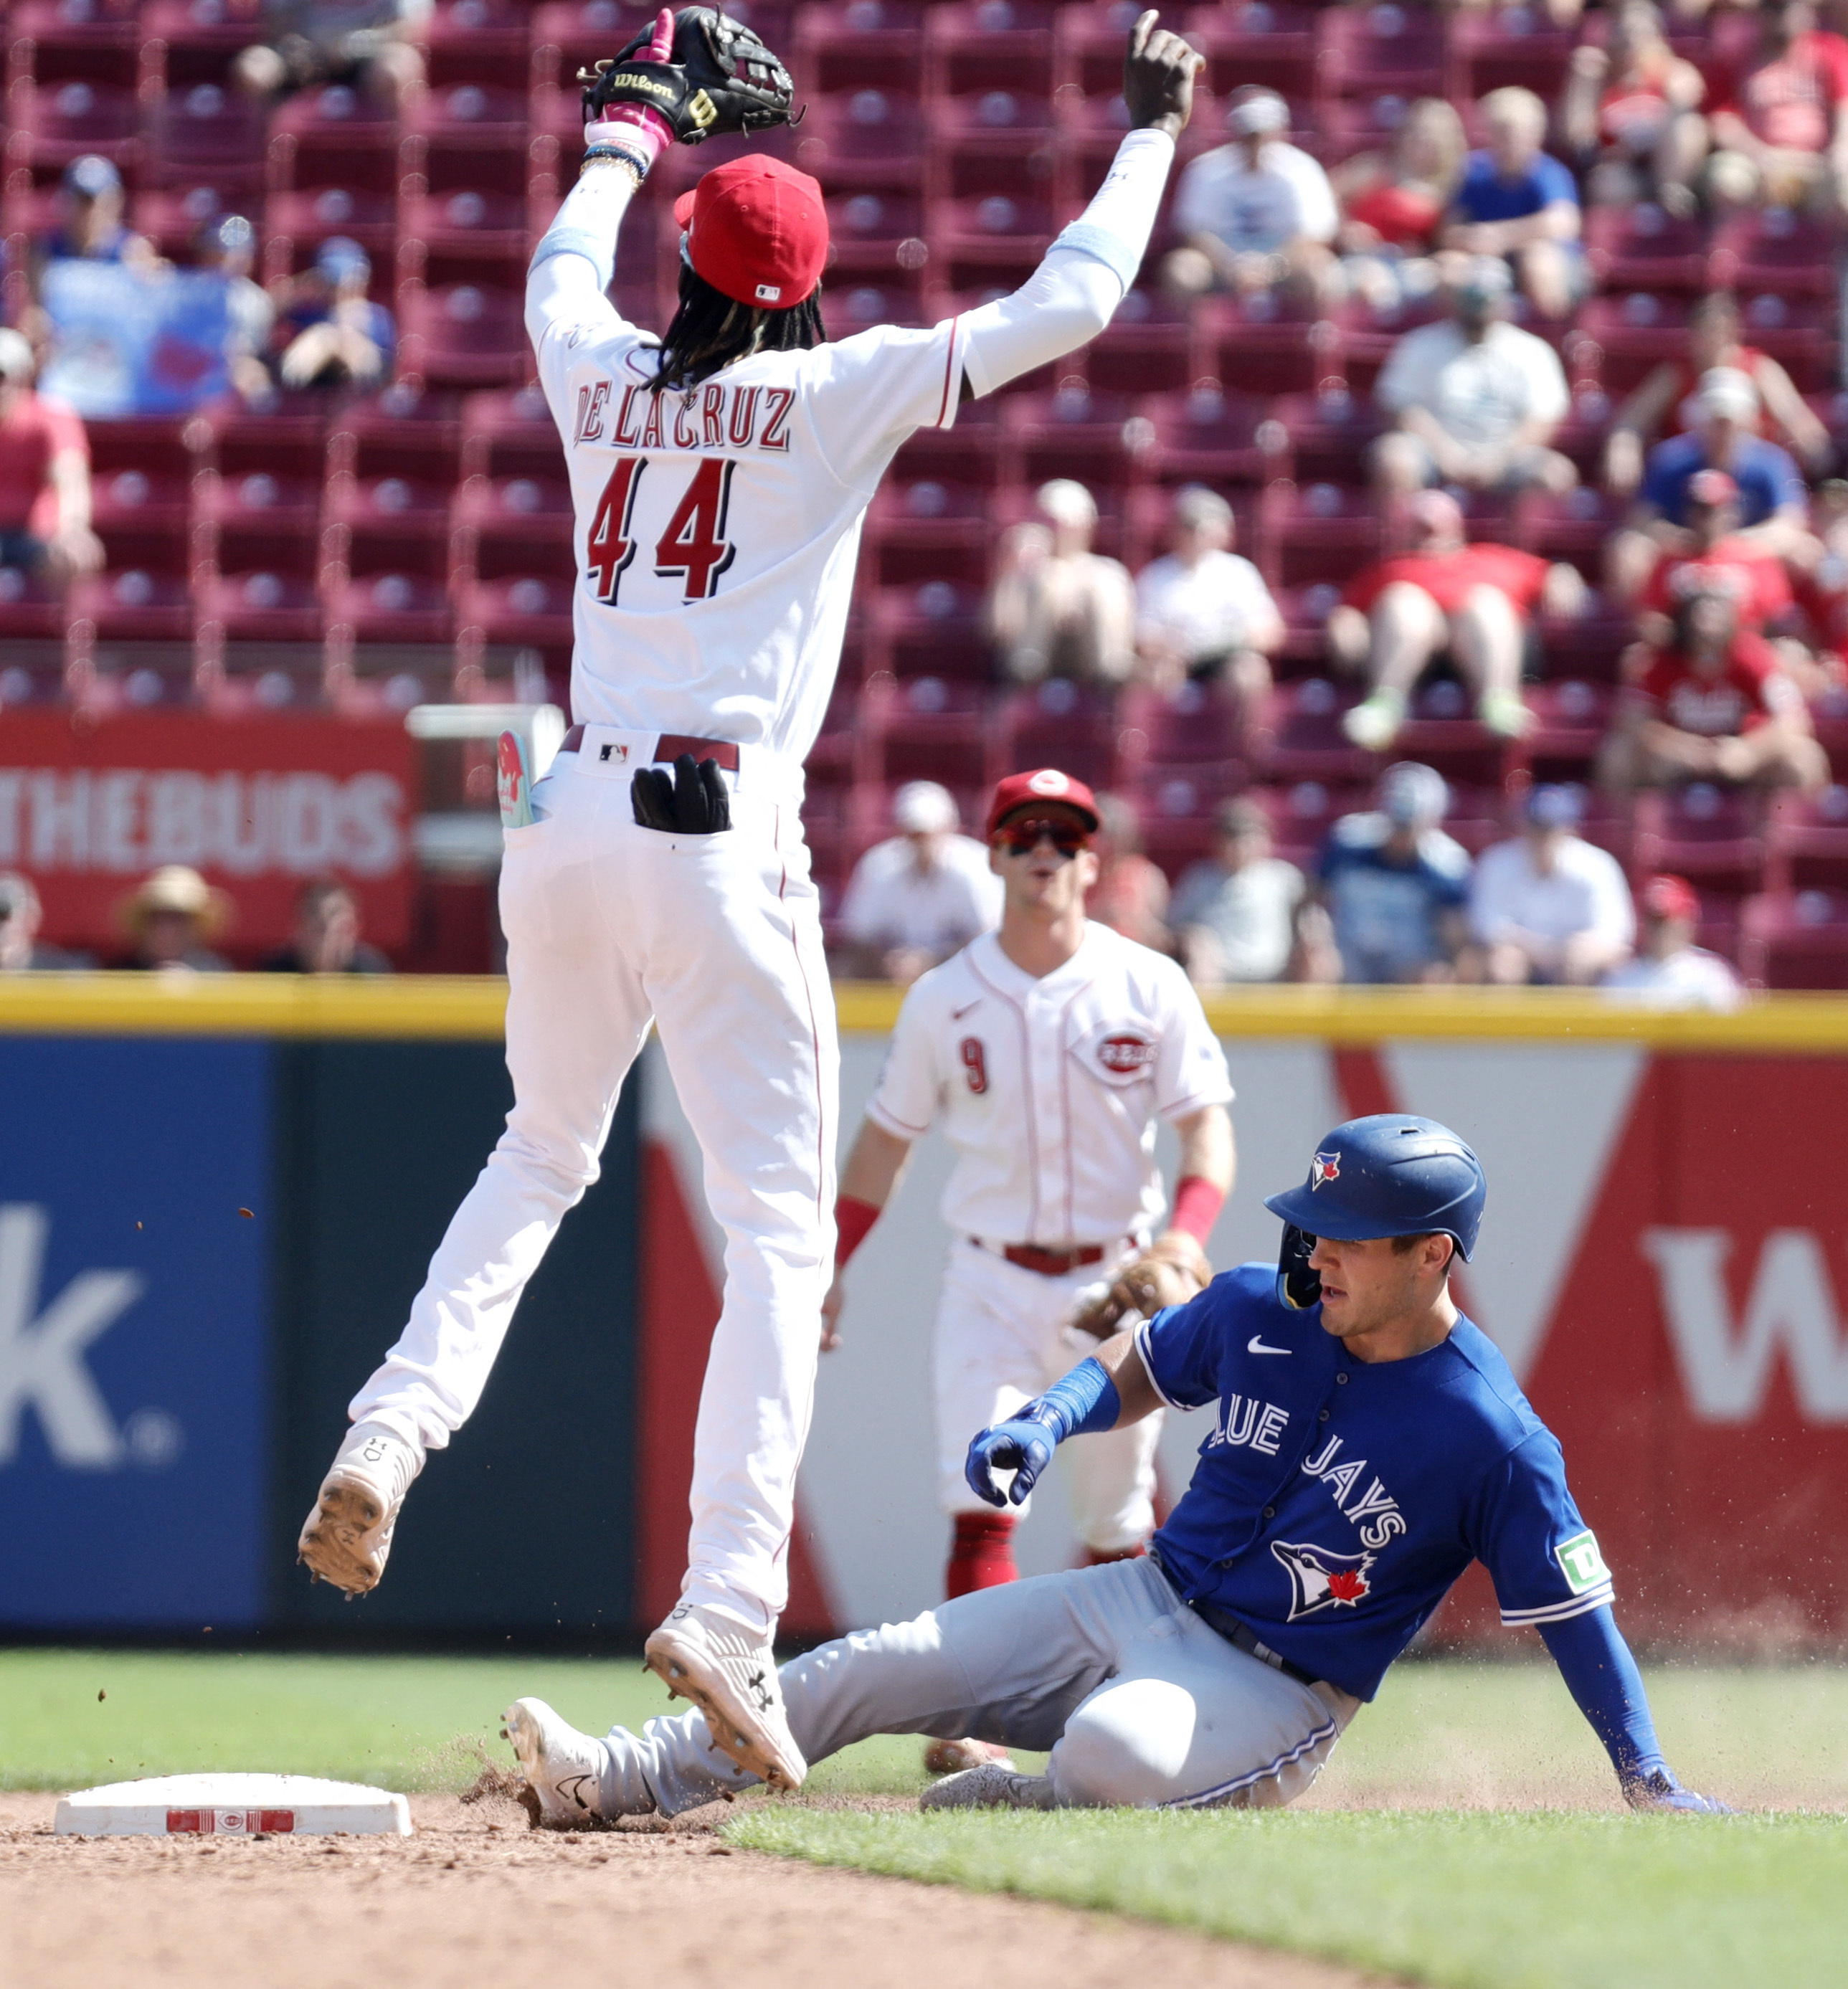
(1368, 1443)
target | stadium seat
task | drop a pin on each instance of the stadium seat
(872, 234)
(1319, 532)
(1256, 42)
(1641, 248)
(297, 222)
(1515, 47)
(969, 452)
(1194, 725)
(254, 520)
(482, 117)
(865, 43)
(1096, 438)
(464, 335)
(1807, 838)
(509, 433)
(134, 604)
(1712, 837)
(1632, 334)
(1574, 527)
(197, 39)
(1799, 332)
(49, 126)
(567, 36)
(1302, 812)
(1057, 723)
(1777, 251)
(207, 134)
(502, 525)
(1174, 809)
(926, 529)
(996, 239)
(1088, 43)
(935, 630)
(1300, 737)
(388, 607)
(387, 522)
(994, 141)
(483, 42)
(259, 604)
(522, 611)
(1571, 717)
(1380, 51)
(931, 728)
(1150, 346)
(869, 138)
(981, 45)
(1208, 436)
(1264, 347)
(1798, 939)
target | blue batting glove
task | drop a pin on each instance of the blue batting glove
(1024, 1446)
(1659, 1792)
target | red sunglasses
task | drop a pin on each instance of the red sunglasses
(1022, 839)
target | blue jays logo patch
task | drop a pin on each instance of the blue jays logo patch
(1324, 1167)
(1321, 1580)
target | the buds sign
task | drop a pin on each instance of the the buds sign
(259, 805)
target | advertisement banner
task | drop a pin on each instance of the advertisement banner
(260, 805)
(134, 1221)
(1664, 1263)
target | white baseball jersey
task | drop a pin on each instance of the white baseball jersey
(1048, 1088)
(717, 530)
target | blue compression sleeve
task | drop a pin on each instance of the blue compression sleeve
(1080, 1404)
(1601, 1675)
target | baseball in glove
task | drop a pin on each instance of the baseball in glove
(1168, 1273)
(718, 78)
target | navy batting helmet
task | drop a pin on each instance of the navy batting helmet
(1388, 1175)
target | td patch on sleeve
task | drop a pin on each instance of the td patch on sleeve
(1582, 1563)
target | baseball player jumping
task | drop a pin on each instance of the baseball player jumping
(1366, 1442)
(721, 474)
(1048, 1048)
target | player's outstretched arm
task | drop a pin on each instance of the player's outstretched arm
(1601, 1675)
(1074, 293)
(1107, 1392)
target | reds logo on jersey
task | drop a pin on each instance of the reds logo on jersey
(1324, 1167)
(1125, 1053)
(1321, 1579)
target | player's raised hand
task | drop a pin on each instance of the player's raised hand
(1024, 1446)
(1659, 1792)
(1157, 78)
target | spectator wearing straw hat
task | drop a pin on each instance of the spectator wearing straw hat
(1669, 971)
(169, 920)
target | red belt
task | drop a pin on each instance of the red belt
(1050, 1263)
(670, 746)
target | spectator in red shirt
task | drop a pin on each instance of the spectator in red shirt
(1659, 406)
(1781, 139)
(1716, 560)
(1399, 615)
(1715, 704)
(1630, 112)
(44, 476)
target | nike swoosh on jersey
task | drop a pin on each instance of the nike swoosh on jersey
(957, 1014)
(1255, 1345)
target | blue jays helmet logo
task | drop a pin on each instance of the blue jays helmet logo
(1324, 1167)
(1321, 1580)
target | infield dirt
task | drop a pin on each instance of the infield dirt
(474, 1897)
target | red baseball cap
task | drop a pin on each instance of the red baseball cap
(1044, 783)
(756, 231)
(1666, 897)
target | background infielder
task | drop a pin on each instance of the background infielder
(1366, 1443)
(1047, 1049)
(720, 476)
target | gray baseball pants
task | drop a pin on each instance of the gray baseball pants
(1138, 1700)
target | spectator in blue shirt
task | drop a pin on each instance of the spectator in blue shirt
(1395, 886)
(1517, 201)
(1773, 504)
(328, 330)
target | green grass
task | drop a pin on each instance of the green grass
(1457, 1838)
(1469, 1901)
(414, 1723)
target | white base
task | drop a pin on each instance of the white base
(228, 1805)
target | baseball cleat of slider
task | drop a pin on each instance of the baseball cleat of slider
(733, 1682)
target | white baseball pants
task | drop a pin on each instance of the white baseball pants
(1139, 1701)
(1002, 1339)
(718, 940)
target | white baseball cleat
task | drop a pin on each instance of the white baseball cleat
(346, 1538)
(563, 1767)
(733, 1681)
(950, 1757)
(989, 1786)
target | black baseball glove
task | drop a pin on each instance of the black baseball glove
(722, 79)
(692, 802)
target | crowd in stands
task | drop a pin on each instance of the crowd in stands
(1478, 409)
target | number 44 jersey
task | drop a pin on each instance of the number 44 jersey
(717, 527)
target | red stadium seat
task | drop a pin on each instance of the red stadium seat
(872, 236)
(996, 141)
(997, 238)
(1367, 336)
(1192, 725)
(1775, 251)
(926, 529)
(1320, 532)
(198, 39)
(1383, 50)
(1057, 723)
(259, 604)
(297, 222)
(872, 138)
(936, 630)
(876, 42)
(387, 522)
(509, 434)
(512, 524)
(135, 603)
(207, 134)
(969, 452)
(1300, 737)
(1256, 42)
(50, 126)
(931, 728)
(1808, 839)
(1576, 526)
(1589, 645)
(1206, 436)
(1442, 731)
(1641, 248)
(483, 117)
(254, 520)
(567, 36)
(1262, 346)
(1088, 45)
(1571, 717)
(1799, 332)
(1329, 435)
(465, 335)
(389, 606)
(1096, 438)
(1303, 813)
(1516, 47)
(1150, 346)
(1714, 838)
(524, 611)
(484, 41)
(332, 136)
(1795, 940)
(1633, 334)
(978, 45)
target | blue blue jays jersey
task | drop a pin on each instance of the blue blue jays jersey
(1336, 1501)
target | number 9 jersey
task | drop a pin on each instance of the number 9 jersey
(717, 527)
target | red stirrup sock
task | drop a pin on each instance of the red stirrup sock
(981, 1554)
